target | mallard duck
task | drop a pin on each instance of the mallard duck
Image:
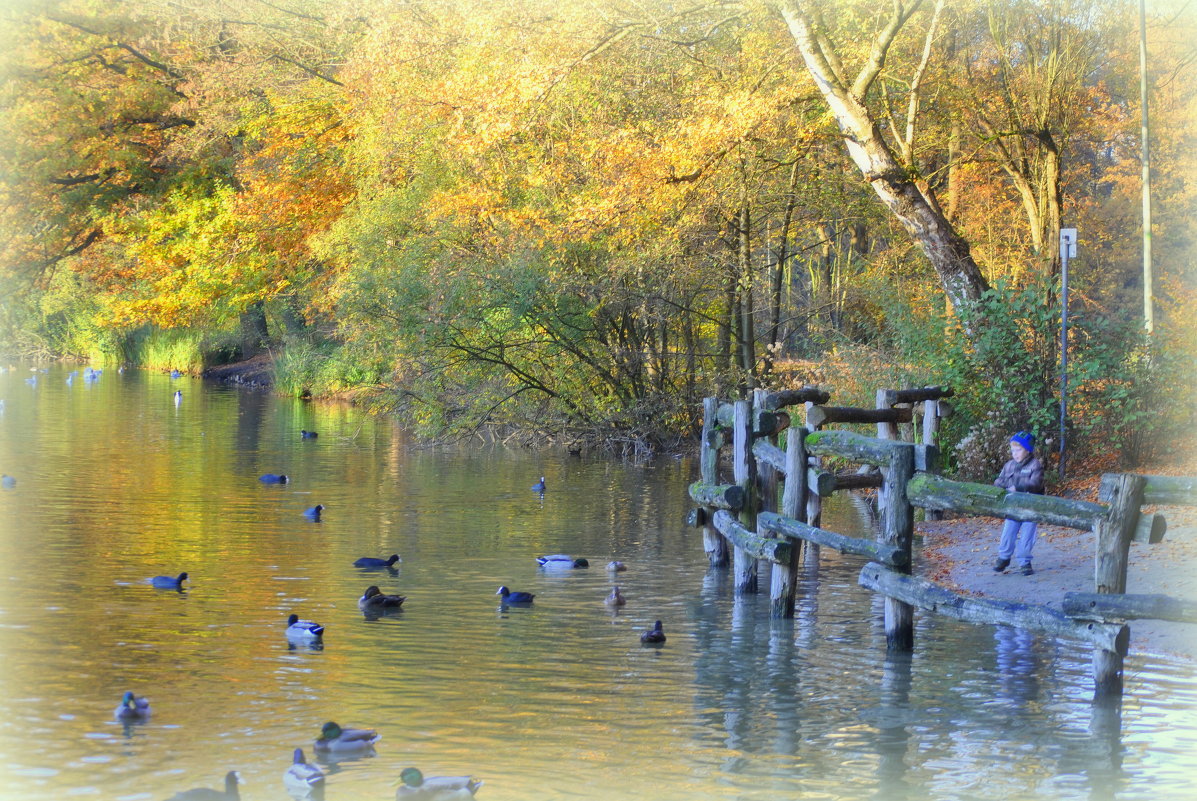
(231, 780)
(301, 777)
(273, 478)
(616, 567)
(305, 434)
(132, 708)
(375, 601)
(510, 597)
(435, 788)
(303, 630)
(654, 635)
(370, 561)
(335, 740)
(313, 513)
(615, 598)
(169, 582)
(560, 561)
(539, 486)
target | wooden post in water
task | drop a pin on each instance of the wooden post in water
(897, 529)
(744, 470)
(793, 504)
(712, 438)
(813, 501)
(1114, 532)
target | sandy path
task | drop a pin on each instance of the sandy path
(960, 554)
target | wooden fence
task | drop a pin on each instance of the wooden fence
(744, 516)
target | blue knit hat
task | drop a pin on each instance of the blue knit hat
(1026, 439)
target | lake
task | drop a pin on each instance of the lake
(117, 482)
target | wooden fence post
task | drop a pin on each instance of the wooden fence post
(897, 528)
(743, 466)
(813, 501)
(1114, 532)
(930, 430)
(712, 541)
(784, 582)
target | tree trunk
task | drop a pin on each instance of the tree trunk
(747, 334)
(254, 333)
(909, 200)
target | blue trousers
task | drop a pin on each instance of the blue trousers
(1017, 541)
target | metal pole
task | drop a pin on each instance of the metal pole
(1144, 134)
(1063, 351)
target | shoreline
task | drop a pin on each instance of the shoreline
(959, 554)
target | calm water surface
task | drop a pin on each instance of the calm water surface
(117, 483)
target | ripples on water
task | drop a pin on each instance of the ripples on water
(558, 701)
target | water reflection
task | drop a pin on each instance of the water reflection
(116, 484)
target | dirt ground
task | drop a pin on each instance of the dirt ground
(960, 553)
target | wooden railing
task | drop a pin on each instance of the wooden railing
(744, 516)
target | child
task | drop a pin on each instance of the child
(1023, 473)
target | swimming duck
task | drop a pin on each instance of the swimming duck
(175, 374)
(616, 567)
(510, 597)
(132, 708)
(273, 478)
(7, 481)
(374, 600)
(303, 630)
(370, 561)
(539, 486)
(169, 582)
(178, 396)
(305, 434)
(654, 635)
(302, 777)
(560, 561)
(313, 513)
(615, 598)
(418, 787)
(335, 740)
(231, 780)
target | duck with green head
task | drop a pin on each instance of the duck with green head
(418, 787)
(335, 740)
(133, 709)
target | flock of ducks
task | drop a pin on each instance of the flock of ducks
(302, 778)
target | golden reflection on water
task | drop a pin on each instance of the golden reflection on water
(558, 701)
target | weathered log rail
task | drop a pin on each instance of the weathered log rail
(932, 597)
(745, 516)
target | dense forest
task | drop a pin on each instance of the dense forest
(577, 219)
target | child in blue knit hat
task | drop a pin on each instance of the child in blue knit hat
(1023, 473)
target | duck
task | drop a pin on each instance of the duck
(178, 396)
(7, 481)
(615, 598)
(653, 636)
(169, 582)
(616, 567)
(132, 708)
(419, 787)
(305, 434)
(560, 561)
(313, 513)
(301, 776)
(539, 486)
(273, 478)
(374, 600)
(510, 597)
(335, 740)
(303, 630)
(370, 561)
(175, 374)
(231, 780)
